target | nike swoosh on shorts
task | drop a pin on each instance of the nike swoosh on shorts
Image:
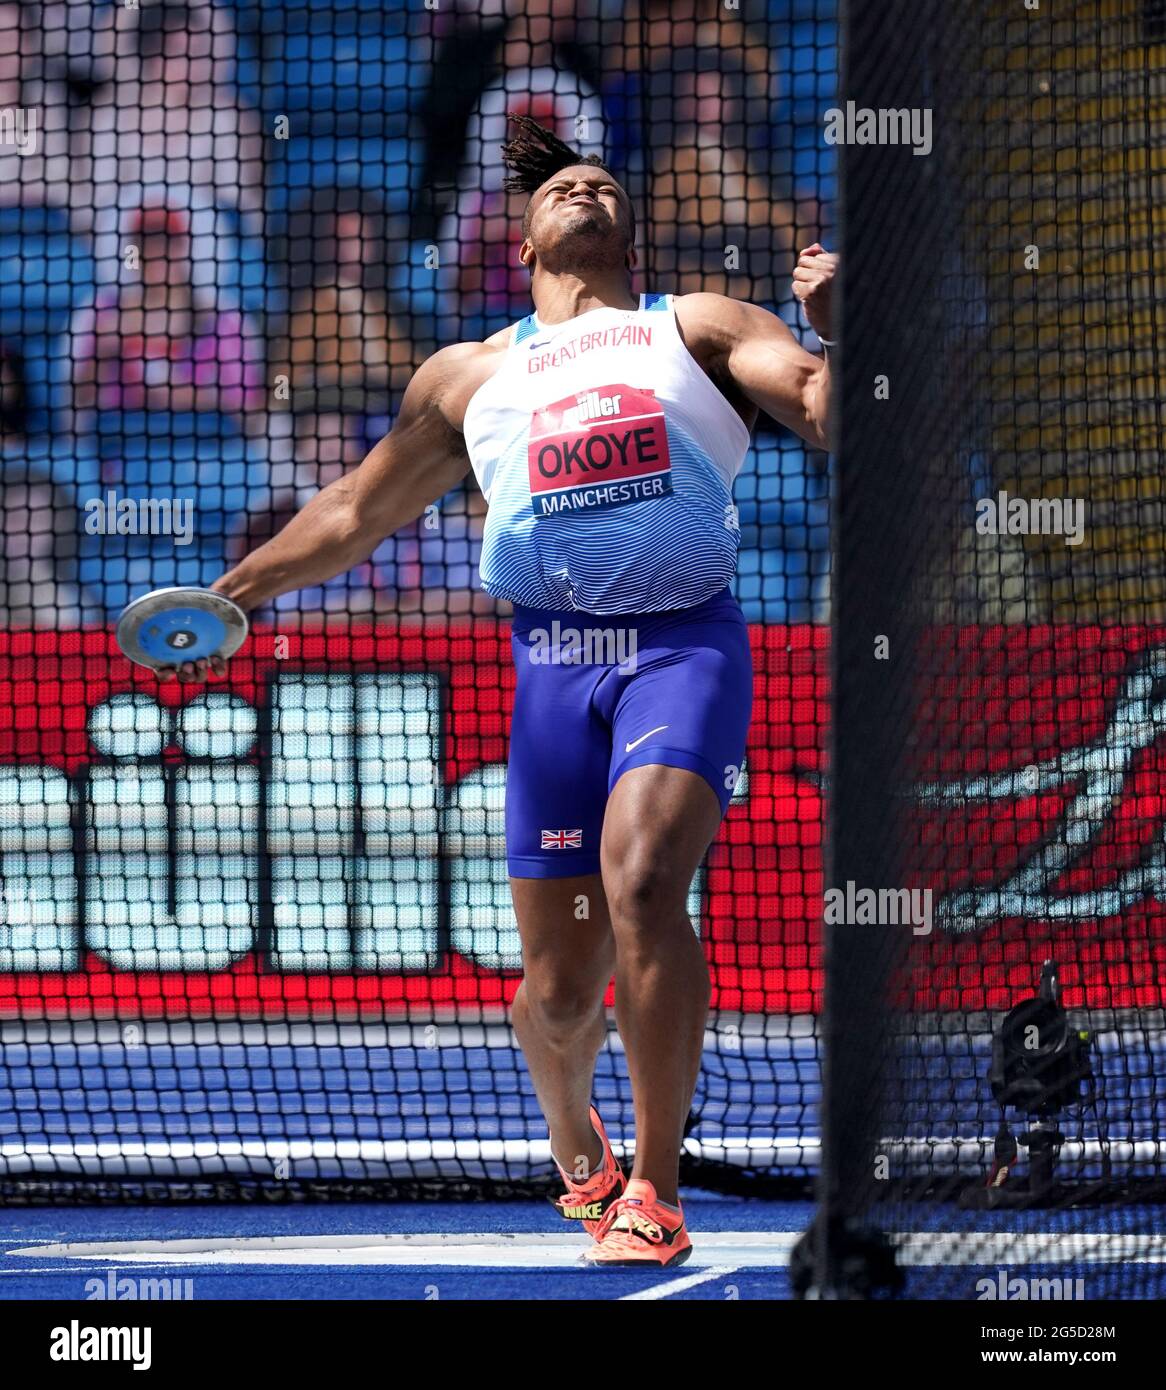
(627, 748)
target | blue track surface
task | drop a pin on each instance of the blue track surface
(24, 1277)
(30, 1276)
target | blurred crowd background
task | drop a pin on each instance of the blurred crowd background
(237, 228)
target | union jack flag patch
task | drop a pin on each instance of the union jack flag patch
(562, 839)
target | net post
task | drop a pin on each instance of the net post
(893, 225)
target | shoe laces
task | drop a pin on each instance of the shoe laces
(625, 1218)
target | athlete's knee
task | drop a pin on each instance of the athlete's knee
(642, 888)
(560, 1004)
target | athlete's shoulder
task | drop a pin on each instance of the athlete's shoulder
(457, 358)
(500, 340)
(716, 323)
(705, 310)
(451, 375)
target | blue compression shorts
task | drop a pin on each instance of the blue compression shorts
(597, 696)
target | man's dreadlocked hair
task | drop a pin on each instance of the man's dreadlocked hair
(534, 154)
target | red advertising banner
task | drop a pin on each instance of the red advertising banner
(319, 834)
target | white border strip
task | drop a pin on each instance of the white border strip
(502, 1159)
(715, 1253)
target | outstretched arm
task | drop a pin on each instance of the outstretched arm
(418, 461)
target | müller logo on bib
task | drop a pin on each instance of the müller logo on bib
(597, 449)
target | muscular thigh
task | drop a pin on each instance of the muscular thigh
(556, 780)
(566, 932)
(659, 823)
(679, 725)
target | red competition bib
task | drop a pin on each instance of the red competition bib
(602, 448)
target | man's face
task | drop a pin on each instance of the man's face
(580, 218)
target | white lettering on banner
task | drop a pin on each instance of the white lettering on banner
(139, 914)
(171, 858)
(38, 911)
(482, 926)
(355, 754)
(1100, 769)
(357, 829)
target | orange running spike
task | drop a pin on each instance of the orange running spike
(639, 1230)
(590, 1201)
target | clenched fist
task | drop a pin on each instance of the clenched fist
(812, 284)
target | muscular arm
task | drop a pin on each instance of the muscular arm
(757, 353)
(421, 458)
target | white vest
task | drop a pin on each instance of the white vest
(607, 458)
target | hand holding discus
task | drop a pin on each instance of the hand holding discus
(182, 633)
